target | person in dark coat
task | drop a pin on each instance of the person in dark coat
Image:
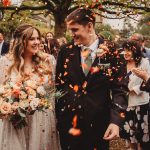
(4, 46)
(91, 111)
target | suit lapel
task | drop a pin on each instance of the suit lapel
(76, 65)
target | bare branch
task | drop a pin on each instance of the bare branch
(24, 8)
(129, 16)
(147, 9)
(110, 17)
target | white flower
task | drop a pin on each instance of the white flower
(138, 116)
(31, 92)
(11, 83)
(31, 83)
(133, 139)
(131, 122)
(41, 90)
(23, 104)
(34, 103)
(131, 131)
(22, 95)
(99, 51)
(145, 138)
(145, 119)
(127, 127)
(16, 87)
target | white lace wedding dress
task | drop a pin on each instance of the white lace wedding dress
(40, 134)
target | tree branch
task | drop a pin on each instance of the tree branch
(24, 8)
(110, 17)
(146, 9)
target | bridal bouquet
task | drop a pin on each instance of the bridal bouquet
(23, 98)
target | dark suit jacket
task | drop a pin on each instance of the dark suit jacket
(145, 86)
(5, 48)
(89, 97)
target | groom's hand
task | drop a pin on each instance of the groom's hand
(111, 132)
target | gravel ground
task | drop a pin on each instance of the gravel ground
(118, 144)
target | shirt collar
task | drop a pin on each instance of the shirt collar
(2, 42)
(93, 46)
(1, 45)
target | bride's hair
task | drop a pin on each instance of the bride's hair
(21, 37)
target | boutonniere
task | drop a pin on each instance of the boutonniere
(101, 53)
(102, 50)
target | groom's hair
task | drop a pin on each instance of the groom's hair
(81, 16)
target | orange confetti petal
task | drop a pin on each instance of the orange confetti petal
(85, 66)
(65, 73)
(75, 132)
(67, 60)
(65, 66)
(70, 86)
(94, 69)
(122, 115)
(74, 121)
(76, 88)
(70, 46)
(84, 84)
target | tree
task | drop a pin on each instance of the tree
(144, 25)
(61, 8)
(106, 31)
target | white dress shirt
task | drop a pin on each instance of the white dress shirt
(138, 97)
(1, 44)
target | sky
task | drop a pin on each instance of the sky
(118, 23)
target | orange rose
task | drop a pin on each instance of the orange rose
(16, 93)
(5, 108)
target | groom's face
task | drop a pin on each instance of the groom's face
(80, 33)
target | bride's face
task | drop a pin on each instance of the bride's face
(33, 43)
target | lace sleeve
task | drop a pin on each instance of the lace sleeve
(5, 63)
(53, 65)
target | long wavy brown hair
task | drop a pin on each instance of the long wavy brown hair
(21, 37)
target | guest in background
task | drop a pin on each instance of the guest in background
(48, 37)
(135, 129)
(62, 41)
(141, 41)
(145, 86)
(42, 46)
(4, 46)
(54, 47)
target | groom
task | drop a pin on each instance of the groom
(92, 110)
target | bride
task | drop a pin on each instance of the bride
(24, 61)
